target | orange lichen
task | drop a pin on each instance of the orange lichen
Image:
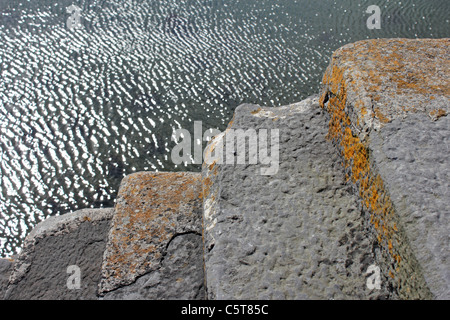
(437, 113)
(371, 67)
(356, 159)
(144, 210)
(390, 247)
(374, 66)
(256, 111)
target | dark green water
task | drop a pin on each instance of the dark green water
(79, 109)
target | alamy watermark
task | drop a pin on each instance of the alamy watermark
(74, 21)
(374, 280)
(374, 21)
(234, 141)
(74, 280)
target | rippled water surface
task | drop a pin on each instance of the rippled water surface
(79, 109)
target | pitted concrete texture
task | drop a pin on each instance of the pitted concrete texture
(154, 247)
(412, 156)
(6, 266)
(42, 268)
(388, 102)
(295, 234)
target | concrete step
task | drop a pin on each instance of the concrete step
(389, 101)
(155, 248)
(6, 266)
(292, 232)
(148, 247)
(61, 258)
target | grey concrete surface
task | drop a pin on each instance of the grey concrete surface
(6, 266)
(412, 156)
(297, 234)
(74, 239)
(388, 101)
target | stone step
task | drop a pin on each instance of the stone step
(389, 100)
(148, 247)
(6, 266)
(291, 232)
(61, 258)
(155, 248)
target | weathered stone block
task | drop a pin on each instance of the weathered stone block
(412, 157)
(295, 234)
(388, 101)
(74, 239)
(6, 266)
(376, 81)
(155, 246)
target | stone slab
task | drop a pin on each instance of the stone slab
(297, 233)
(412, 156)
(6, 266)
(386, 79)
(74, 239)
(155, 248)
(388, 101)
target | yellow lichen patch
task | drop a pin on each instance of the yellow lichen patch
(437, 113)
(325, 79)
(401, 69)
(374, 88)
(376, 98)
(390, 247)
(147, 205)
(355, 155)
(367, 66)
(207, 182)
(380, 116)
(256, 111)
(356, 159)
(230, 124)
